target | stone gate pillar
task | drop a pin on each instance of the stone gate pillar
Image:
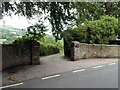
(75, 50)
(35, 53)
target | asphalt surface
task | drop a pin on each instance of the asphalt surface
(50, 65)
(102, 76)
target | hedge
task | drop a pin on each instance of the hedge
(48, 49)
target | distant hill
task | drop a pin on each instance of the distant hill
(9, 34)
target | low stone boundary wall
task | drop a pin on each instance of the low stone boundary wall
(20, 54)
(82, 50)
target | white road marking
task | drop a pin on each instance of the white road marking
(50, 77)
(98, 66)
(112, 63)
(11, 85)
(79, 70)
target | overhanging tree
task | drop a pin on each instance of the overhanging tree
(60, 14)
(93, 10)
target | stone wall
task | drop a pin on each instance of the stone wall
(82, 50)
(20, 54)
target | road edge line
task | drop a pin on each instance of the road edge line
(11, 85)
(98, 66)
(53, 76)
(80, 70)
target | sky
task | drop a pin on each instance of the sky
(15, 21)
(21, 22)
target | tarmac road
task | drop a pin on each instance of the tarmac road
(101, 76)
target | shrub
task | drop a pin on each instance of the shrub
(95, 32)
(48, 49)
(25, 39)
(102, 30)
(48, 39)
